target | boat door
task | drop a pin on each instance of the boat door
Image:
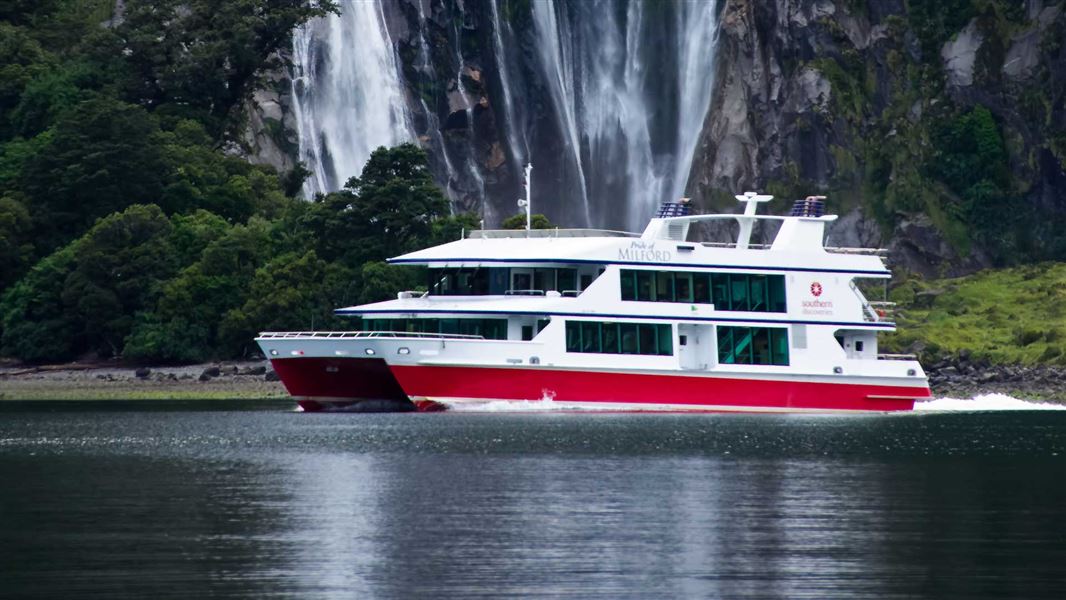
(695, 346)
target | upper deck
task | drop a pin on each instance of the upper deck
(798, 245)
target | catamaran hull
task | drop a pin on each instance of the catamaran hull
(325, 383)
(350, 384)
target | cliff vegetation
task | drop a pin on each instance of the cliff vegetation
(131, 226)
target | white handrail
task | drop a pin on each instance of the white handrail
(364, 335)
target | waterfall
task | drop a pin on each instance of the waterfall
(348, 97)
(630, 88)
(608, 97)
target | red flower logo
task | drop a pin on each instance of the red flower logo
(816, 289)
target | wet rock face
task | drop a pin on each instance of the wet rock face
(960, 54)
(805, 93)
(809, 90)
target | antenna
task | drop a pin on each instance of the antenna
(751, 200)
(527, 202)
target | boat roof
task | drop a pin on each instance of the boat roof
(798, 245)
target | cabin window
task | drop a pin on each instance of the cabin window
(522, 281)
(492, 329)
(753, 345)
(683, 287)
(566, 280)
(629, 285)
(727, 291)
(645, 285)
(619, 338)
(544, 280)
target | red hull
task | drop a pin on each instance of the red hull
(646, 389)
(340, 383)
(331, 382)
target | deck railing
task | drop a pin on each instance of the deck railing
(546, 233)
(347, 335)
(897, 357)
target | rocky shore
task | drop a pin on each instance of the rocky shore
(100, 381)
(962, 377)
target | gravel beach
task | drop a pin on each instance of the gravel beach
(95, 381)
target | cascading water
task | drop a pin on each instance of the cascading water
(348, 95)
(630, 83)
(607, 97)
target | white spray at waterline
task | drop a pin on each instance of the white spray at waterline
(983, 402)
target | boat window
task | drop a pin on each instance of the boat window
(645, 285)
(493, 329)
(460, 282)
(664, 286)
(753, 345)
(566, 279)
(629, 285)
(727, 291)
(738, 290)
(619, 338)
(522, 281)
(544, 280)
(590, 337)
(611, 342)
(701, 288)
(683, 287)
(527, 333)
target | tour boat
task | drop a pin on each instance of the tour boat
(613, 320)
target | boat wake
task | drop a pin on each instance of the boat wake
(542, 405)
(979, 403)
(984, 402)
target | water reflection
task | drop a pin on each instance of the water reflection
(136, 503)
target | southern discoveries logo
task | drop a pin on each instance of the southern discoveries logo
(817, 306)
(645, 252)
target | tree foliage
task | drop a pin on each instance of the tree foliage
(127, 231)
(537, 221)
(205, 55)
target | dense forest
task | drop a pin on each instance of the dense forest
(130, 226)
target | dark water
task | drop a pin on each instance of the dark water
(185, 500)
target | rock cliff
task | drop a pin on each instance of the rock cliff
(937, 128)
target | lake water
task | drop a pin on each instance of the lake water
(161, 500)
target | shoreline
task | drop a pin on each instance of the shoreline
(256, 380)
(229, 380)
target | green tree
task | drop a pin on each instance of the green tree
(33, 320)
(21, 60)
(207, 55)
(971, 158)
(292, 291)
(388, 210)
(537, 221)
(192, 304)
(15, 234)
(196, 176)
(100, 159)
(90, 289)
(381, 281)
